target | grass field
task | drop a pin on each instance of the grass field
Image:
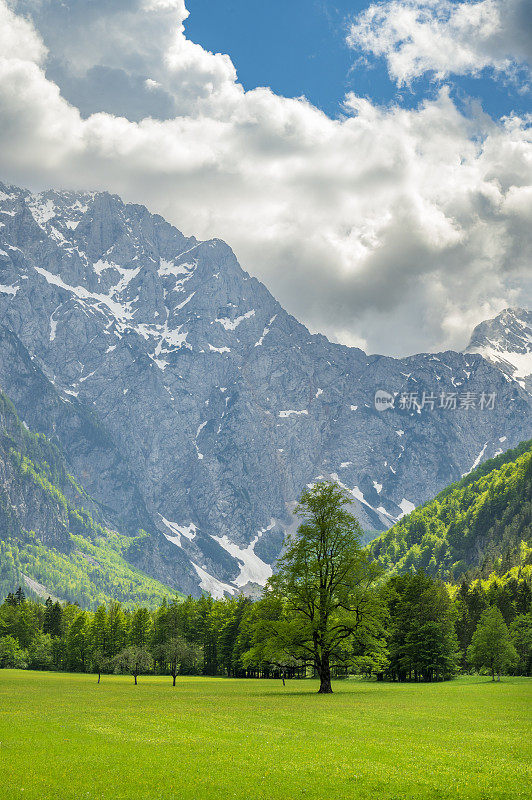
(63, 737)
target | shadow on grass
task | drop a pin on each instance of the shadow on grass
(286, 692)
(344, 689)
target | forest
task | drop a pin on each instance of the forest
(425, 632)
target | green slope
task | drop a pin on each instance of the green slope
(47, 534)
(481, 524)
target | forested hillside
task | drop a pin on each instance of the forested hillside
(479, 525)
(49, 541)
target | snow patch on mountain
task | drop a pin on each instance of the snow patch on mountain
(212, 585)
(477, 460)
(252, 568)
(406, 507)
(177, 531)
(12, 290)
(232, 324)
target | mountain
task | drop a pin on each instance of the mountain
(506, 342)
(481, 523)
(191, 406)
(49, 542)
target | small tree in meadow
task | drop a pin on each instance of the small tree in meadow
(100, 663)
(133, 660)
(178, 653)
(491, 647)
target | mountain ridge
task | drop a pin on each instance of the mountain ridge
(216, 406)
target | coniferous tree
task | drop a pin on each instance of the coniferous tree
(53, 617)
(491, 647)
(141, 628)
(98, 632)
(20, 597)
(47, 615)
(521, 633)
(117, 632)
(422, 637)
(78, 647)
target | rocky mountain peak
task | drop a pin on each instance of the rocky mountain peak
(506, 341)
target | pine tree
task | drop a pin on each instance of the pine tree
(20, 597)
(98, 631)
(78, 643)
(53, 617)
(422, 637)
(47, 615)
(117, 633)
(141, 628)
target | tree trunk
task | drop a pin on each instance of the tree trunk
(324, 671)
(135, 678)
(99, 675)
(492, 674)
(173, 676)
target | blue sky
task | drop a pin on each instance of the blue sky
(298, 47)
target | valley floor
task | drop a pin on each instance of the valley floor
(62, 736)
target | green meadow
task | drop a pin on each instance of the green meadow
(63, 737)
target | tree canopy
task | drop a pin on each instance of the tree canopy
(320, 600)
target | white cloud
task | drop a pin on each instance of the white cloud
(444, 37)
(18, 38)
(392, 227)
(103, 52)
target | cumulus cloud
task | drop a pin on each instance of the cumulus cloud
(127, 57)
(394, 228)
(444, 37)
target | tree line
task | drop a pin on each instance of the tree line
(328, 611)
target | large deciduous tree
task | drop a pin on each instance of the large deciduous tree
(323, 585)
